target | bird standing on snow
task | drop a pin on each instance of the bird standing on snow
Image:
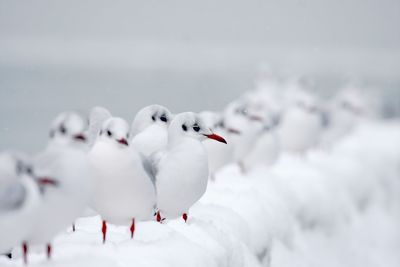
(123, 190)
(19, 198)
(65, 166)
(149, 129)
(265, 150)
(301, 125)
(249, 126)
(181, 170)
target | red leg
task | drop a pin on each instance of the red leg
(158, 217)
(25, 252)
(73, 227)
(185, 217)
(49, 250)
(104, 231)
(132, 227)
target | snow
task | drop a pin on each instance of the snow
(336, 207)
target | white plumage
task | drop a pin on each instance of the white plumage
(123, 190)
(19, 199)
(149, 129)
(182, 169)
(64, 165)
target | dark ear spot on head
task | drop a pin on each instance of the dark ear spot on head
(184, 127)
(101, 132)
(153, 117)
(51, 133)
(63, 130)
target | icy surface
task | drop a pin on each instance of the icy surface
(327, 208)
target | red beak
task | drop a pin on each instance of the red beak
(123, 141)
(47, 181)
(80, 137)
(233, 131)
(216, 137)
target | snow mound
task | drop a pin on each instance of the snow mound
(326, 208)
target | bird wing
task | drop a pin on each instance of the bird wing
(149, 168)
(151, 164)
(96, 118)
(12, 196)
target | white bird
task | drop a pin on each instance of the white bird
(19, 199)
(218, 154)
(64, 165)
(248, 125)
(347, 109)
(123, 189)
(149, 129)
(182, 170)
(67, 129)
(265, 150)
(301, 124)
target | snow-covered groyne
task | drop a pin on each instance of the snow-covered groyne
(336, 207)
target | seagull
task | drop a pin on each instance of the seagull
(21, 195)
(265, 150)
(149, 129)
(67, 129)
(249, 126)
(123, 190)
(218, 154)
(65, 166)
(301, 124)
(181, 170)
(347, 108)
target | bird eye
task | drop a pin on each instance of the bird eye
(63, 130)
(29, 170)
(153, 117)
(196, 128)
(109, 133)
(164, 118)
(184, 127)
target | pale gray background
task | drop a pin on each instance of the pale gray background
(187, 55)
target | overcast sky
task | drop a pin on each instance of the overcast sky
(362, 23)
